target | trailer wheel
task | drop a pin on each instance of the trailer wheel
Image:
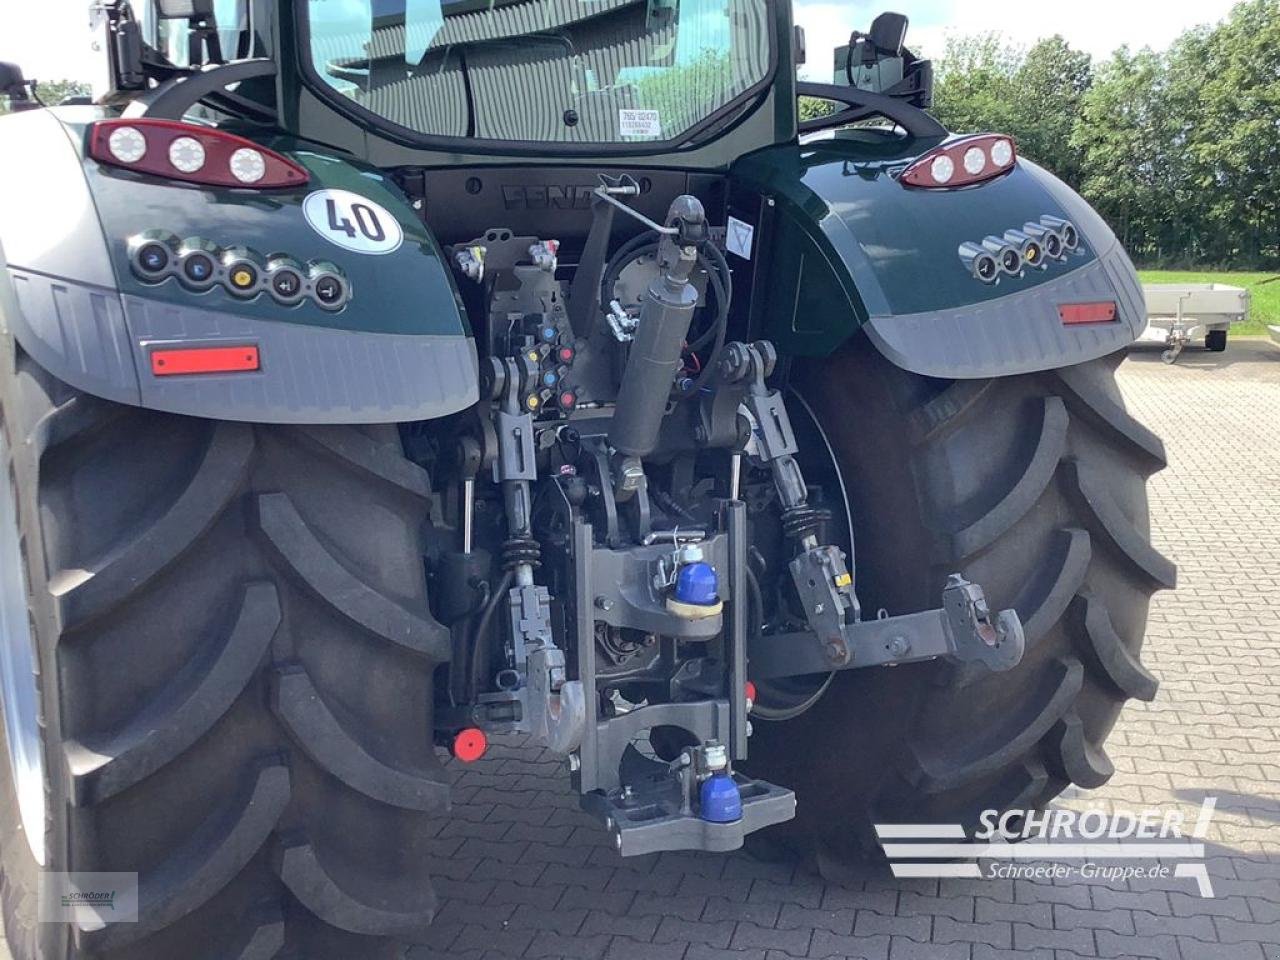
(1034, 487)
(1215, 341)
(217, 667)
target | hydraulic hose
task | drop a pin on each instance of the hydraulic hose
(480, 642)
(722, 284)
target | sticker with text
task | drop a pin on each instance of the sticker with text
(639, 123)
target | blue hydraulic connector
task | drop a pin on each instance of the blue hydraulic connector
(720, 801)
(697, 584)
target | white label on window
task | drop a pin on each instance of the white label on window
(639, 123)
(352, 221)
(738, 238)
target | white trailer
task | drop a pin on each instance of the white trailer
(1181, 312)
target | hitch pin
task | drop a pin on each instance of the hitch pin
(605, 193)
(674, 536)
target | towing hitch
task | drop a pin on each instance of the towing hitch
(696, 801)
(837, 638)
(963, 630)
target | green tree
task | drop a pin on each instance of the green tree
(813, 107)
(53, 92)
(1124, 138)
(983, 84)
(974, 85)
(1225, 86)
(1049, 87)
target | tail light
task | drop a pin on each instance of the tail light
(962, 163)
(185, 151)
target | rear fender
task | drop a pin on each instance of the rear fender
(398, 349)
(844, 246)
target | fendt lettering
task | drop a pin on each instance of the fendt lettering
(547, 197)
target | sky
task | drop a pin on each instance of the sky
(1095, 26)
(49, 39)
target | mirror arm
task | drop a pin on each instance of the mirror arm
(171, 99)
(863, 104)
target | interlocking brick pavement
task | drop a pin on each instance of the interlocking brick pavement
(523, 873)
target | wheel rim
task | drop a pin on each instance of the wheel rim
(18, 677)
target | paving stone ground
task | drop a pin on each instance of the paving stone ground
(523, 873)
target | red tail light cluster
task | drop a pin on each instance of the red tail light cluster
(962, 163)
(185, 151)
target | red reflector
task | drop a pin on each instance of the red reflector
(168, 363)
(470, 744)
(1074, 313)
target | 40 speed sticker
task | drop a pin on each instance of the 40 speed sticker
(351, 221)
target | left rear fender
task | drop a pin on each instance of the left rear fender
(70, 293)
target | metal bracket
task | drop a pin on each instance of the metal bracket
(557, 714)
(648, 805)
(963, 630)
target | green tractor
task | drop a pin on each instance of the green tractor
(384, 376)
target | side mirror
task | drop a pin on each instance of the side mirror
(184, 9)
(15, 86)
(203, 43)
(889, 34)
(12, 82)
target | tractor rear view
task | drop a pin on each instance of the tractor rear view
(378, 380)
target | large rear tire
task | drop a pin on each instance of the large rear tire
(1033, 486)
(234, 666)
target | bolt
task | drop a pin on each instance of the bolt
(750, 729)
(818, 608)
(604, 603)
(632, 475)
(899, 647)
(835, 650)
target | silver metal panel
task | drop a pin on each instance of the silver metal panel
(308, 375)
(77, 332)
(1020, 333)
(48, 220)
